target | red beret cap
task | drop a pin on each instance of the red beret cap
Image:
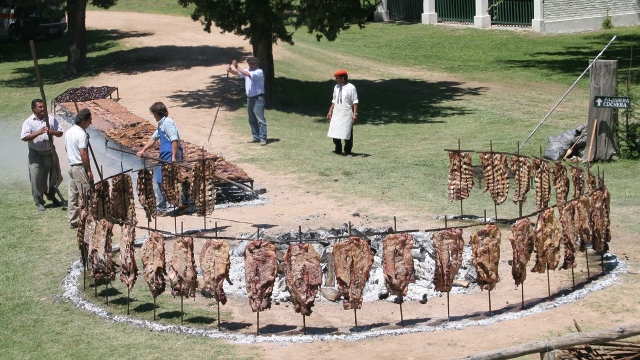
(340, 72)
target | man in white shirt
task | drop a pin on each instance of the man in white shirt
(254, 87)
(38, 133)
(80, 175)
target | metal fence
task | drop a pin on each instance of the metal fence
(456, 10)
(405, 10)
(511, 12)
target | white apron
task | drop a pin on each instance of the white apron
(340, 126)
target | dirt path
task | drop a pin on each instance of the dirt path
(174, 56)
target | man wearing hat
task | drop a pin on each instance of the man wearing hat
(254, 87)
(80, 176)
(343, 113)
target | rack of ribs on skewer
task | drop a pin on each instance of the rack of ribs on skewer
(460, 175)
(521, 167)
(353, 260)
(215, 264)
(485, 246)
(543, 185)
(260, 269)
(122, 205)
(548, 237)
(448, 245)
(523, 240)
(146, 195)
(303, 276)
(203, 186)
(561, 184)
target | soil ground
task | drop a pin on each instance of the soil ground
(164, 38)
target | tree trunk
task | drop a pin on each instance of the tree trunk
(77, 58)
(604, 83)
(263, 50)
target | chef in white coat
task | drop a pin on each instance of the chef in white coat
(343, 113)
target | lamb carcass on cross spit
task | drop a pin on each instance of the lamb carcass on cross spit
(146, 195)
(460, 175)
(182, 268)
(128, 267)
(548, 236)
(260, 269)
(203, 186)
(100, 253)
(523, 240)
(303, 276)
(153, 263)
(397, 262)
(215, 264)
(485, 246)
(353, 260)
(448, 245)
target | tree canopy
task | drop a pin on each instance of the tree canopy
(265, 22)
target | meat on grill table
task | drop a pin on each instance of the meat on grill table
(303, 276)
(99, 200)
(146, 195)
(460, 175)
(548, 236)
(561, 184)
(122, 205)
(260, 269)
(353, 260)
(543, 186)
(485, 246)
(128, 267)
(397, 262)
(182, 268)
(448, 245)
(215, 264)
(495, 173)
(173, 184)
(521, 167)
(523, 240)
(203, 186)
(577, 177)
(100, 255)
(153, 263)
(601, 223)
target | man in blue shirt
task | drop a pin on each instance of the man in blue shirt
(254, 87)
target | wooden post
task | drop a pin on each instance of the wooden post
(604, 81)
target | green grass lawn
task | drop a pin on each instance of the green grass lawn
(497, 86)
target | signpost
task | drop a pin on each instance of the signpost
(612, 102)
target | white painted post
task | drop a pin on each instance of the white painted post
(382, 12)
(429, 15)
(537, 23)
(482, 19)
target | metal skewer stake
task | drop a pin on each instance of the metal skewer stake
(258, 322)
(355, 317)
(128, 298)
(448, 316)
(401, 317)
(181, 308)
(490, 312)
(154, 308)
(548, 282)
(304, 325)
(522, 295)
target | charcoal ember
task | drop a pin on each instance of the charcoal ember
(173, 184)
(100, 253)
(122, 205)
(541, 173)
(153, 257)
(85, 93)
(448, 245)
(577, 178)
(146, 195)
(397, 262)
(215, 264)
(128, 267)
(485, 246)
(523, 240)
(260, 269)
(460, 175)
(203, 186)
(303, 276)
(548, 237)
(182, 268)
(521, 167)
(353, 259)
(561, 184)
(99, 200)
(495, 172)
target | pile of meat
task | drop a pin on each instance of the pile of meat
(353, 260)
(85, 93)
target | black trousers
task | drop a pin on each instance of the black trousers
(348, 144)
